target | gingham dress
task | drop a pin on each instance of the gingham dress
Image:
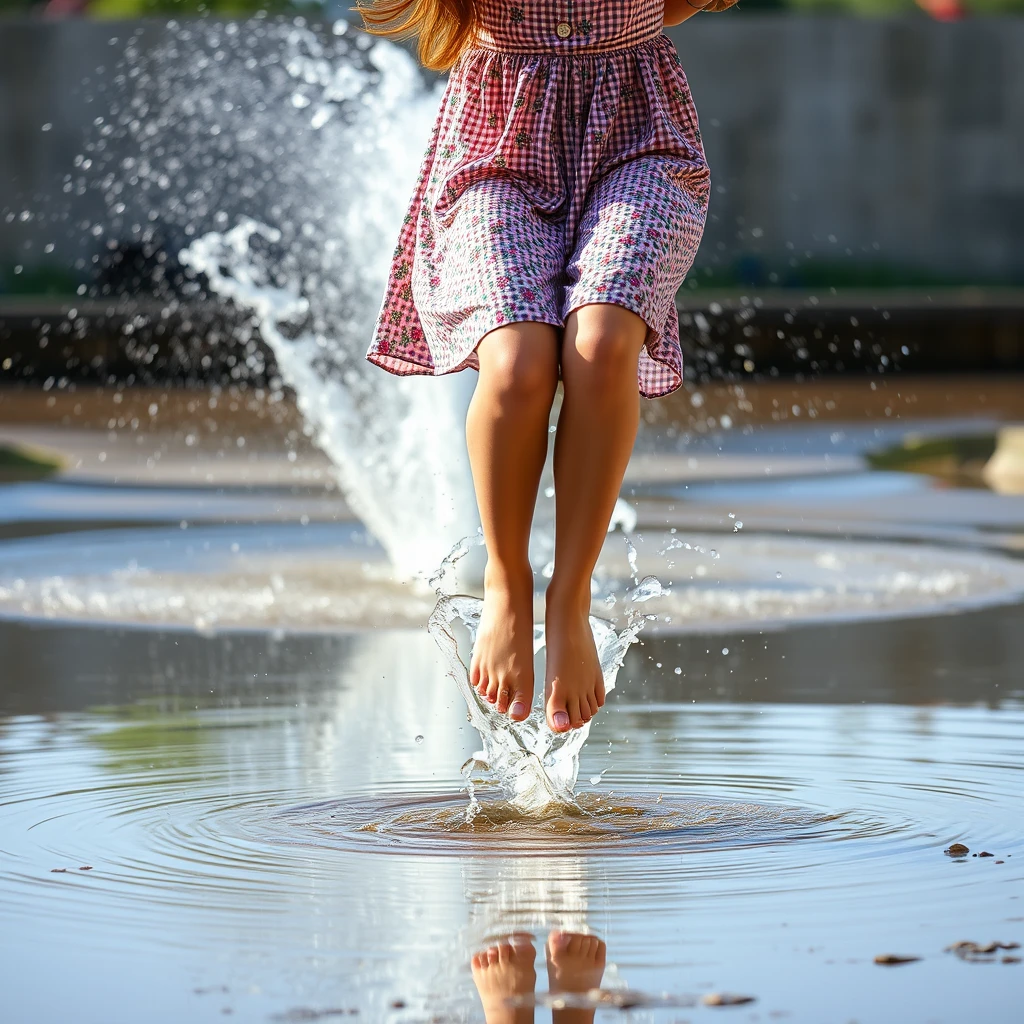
(565, 168)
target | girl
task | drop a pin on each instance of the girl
(559, 206)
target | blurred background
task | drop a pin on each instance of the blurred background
(867, 209)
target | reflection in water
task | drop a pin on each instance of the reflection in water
(502, 973)
(505, 975)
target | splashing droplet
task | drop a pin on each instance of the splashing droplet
(631, 556)
(647, 588)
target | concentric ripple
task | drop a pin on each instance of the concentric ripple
(642, 822)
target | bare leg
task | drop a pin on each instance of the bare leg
(507, 435)
(596, 429)
(501, 972)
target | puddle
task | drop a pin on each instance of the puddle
(294, 578)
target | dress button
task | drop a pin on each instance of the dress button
(563, 30)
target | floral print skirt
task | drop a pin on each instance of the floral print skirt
(552, 180)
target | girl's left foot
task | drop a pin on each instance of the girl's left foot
(501, 972)
(573, 682)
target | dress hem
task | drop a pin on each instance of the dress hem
(402, 366)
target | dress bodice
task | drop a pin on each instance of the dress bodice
(566, 26)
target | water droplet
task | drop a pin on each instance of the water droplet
(648, 587)
(725, 650)
(419, 737)
(631, 556)
(778, 575)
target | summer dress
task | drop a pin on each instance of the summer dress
(565, 168)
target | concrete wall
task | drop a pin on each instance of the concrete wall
(864, 143)
(907, 135)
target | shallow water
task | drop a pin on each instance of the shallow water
(230, 760)
(275, 828)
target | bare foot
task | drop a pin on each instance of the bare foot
(573, 683)
(502, 667)
(575, 964)
(501, 972)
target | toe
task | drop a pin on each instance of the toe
(491, 696)
(504, 697)
(558, 719)
(558, 713)
(573, 707)
(481, 682)
(520, 708)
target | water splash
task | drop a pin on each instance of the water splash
(535, 767)
(276, 160)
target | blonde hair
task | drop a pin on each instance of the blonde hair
(444, 27)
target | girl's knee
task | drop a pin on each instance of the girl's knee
(605, 359)
(521, 377)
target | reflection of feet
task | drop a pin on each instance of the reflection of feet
(575, 964)
(574, 685)
(502, 666)
(501, 972)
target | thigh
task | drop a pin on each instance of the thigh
(492, 260)
(638, 235)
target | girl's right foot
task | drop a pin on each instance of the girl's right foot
(501, 670)
(575, 964)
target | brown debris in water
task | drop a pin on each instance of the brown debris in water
(981, 952)
(957, 850)
(726, 999)
(891, 959)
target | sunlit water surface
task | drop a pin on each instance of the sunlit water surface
(192, 825)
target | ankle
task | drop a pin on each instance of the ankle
(508, 578)
(568, 596)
